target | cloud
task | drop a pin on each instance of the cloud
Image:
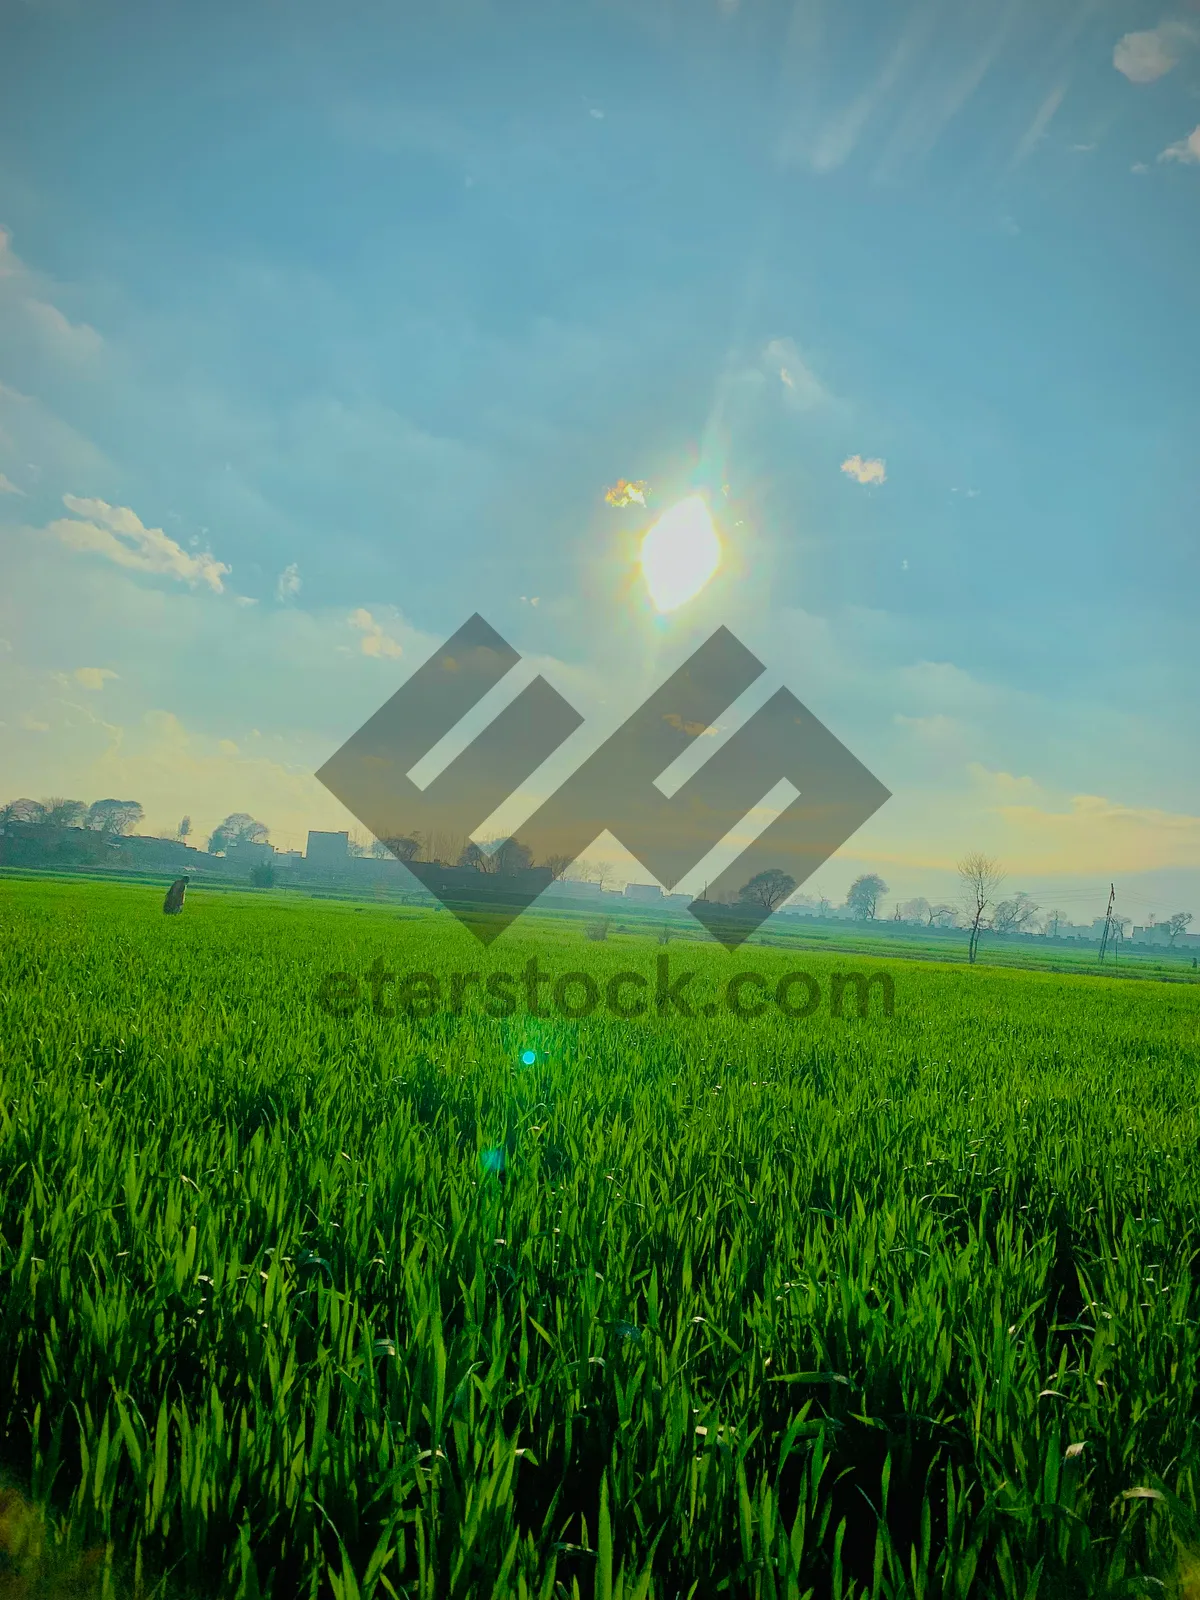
(288, 586)
(1186, 150)
(869, 471)
(32, 725)
(73, 339)
(1148, 55)
(121, 537)
(8, 487)
(803, 390)
(1042, 119)
(374, 641)
(93, 677)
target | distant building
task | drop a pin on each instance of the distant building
(574, 889)
(330, 850)
(247, 853)
(643, 891)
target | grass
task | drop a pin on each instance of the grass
(294, 1304)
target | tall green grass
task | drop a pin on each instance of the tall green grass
(300, 1305)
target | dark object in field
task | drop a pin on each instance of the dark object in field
(173, 904)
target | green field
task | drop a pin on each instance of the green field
(296, 1303)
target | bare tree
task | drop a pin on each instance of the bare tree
(915, 910)
(59, 813)
(184, 828)
(1015, 915)
(770, 888)
(1050, 922)
(1177, 925)
(980, 877)
(557, 866)
(445, 849)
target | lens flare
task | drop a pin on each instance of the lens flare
(680, 553)
(528, 1057)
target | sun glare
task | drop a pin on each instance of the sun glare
(680, 553)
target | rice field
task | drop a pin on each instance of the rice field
(302, 1303)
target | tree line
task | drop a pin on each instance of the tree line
(979, 908)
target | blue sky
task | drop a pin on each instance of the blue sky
(386, 300)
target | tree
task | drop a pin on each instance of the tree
(1015, 915)
(1051, 921)
(262, 874)
(1177, 924)
(980, 877)
(915, 910)
(21, 811)
(184, 828)
(863, 896)
(114, 817)
(557, 866)
(239, 827)
(593, 872)
(824, 905)
(404, 847)
(58, 813)
(768, 889)
(510, 856)
(942, 916)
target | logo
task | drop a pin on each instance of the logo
(614, 789)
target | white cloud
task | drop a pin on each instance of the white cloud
(73, 339)
(32, 725)
(868, 471)
(121, 537)
(1150, 54)
(374, 641)
(7, 486)
(93, 677)
(288, 586)
(1186, 150)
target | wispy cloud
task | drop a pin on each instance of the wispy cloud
(1042, 119)
(120, 536)
(802, 389)
(1150, 54)
(1186, 150)
(93, 677)
(288, 585)
(872, 470)
(375, 642)
(7, 486)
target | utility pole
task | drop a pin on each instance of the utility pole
(1112, 895)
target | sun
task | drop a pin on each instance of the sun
(680, 553)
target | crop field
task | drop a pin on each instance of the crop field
(302, 1297)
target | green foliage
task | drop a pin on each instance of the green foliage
(294, 1304)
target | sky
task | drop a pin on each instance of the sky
(323, 328)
